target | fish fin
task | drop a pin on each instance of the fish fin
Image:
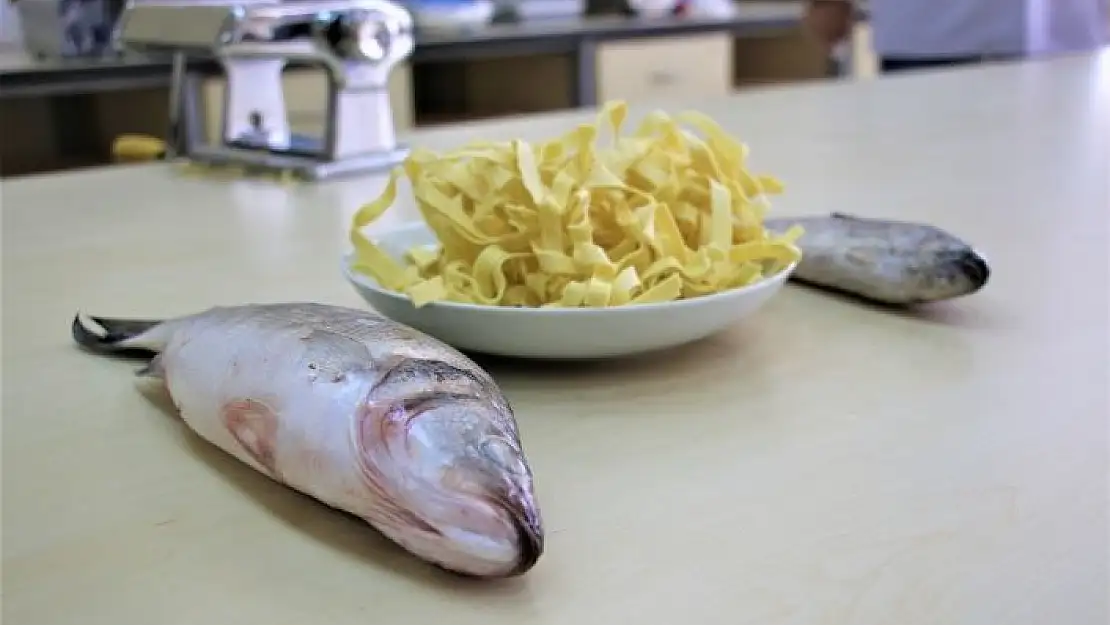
(102, 335)
(254, 425)
(153, 369)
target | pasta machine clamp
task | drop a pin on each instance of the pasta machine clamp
(357, 43)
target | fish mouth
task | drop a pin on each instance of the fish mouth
(975, 267)
(529, 532)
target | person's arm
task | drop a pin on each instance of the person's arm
(830, 21)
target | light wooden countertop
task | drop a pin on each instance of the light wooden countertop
(823, 463)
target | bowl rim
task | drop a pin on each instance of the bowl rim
(417, 225)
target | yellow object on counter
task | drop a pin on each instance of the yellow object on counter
(657, 216)
(138, 148)
(142, 148)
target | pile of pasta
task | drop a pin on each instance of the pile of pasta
(580, 221)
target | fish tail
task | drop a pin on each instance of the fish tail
(122, 337)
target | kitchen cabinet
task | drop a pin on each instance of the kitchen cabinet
(688, 66)
(788, 56)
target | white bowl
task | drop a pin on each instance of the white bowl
(558, 333)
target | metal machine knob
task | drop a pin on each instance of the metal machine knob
(368, 35)
(374, 38)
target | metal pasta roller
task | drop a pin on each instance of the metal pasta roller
(356, 42)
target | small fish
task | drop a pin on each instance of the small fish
(890, 262)
(359, 412)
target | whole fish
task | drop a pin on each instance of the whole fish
(890, 262)
(359, 412)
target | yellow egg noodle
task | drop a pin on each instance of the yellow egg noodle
(657, 216)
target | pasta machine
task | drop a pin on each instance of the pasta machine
(357, 43)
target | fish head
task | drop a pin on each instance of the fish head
(945, 267)
(464, 475)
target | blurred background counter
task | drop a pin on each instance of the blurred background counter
(58, 113)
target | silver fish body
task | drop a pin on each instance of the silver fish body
(890, 262)
(361, 413)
